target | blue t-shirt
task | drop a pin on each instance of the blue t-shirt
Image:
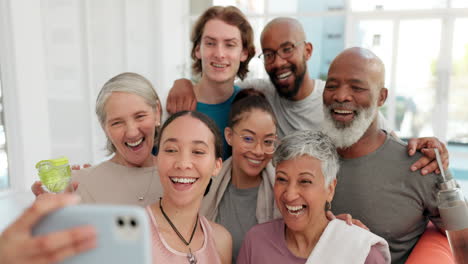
(220, 114)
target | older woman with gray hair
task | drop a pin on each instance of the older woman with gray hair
(129, 111)
(306, 166)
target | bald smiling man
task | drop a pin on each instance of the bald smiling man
(374, 183)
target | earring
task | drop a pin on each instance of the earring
(327, 206)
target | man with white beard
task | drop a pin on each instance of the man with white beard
(295, 96)
(374, 182)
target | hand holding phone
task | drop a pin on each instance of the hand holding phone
(18, 246)
(123, 233)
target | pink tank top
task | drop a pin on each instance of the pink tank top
(163, 253)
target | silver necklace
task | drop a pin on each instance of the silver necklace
(142, 197)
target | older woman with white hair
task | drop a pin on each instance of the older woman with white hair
(129, 111)
(306, 167)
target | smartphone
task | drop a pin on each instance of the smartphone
(123, 233)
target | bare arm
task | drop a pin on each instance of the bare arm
(223, 241)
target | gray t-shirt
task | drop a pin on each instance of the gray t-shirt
(380, 190)
(292, 116)
(234, 204)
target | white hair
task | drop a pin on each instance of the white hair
(314, 144)
(344, 136)
(127, 82)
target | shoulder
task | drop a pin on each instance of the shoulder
(219, 232)
(319, 86)
(397, 149)
(86, 174)
(223, 241)
(265, 230)
(263, 85)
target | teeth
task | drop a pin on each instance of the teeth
(294, 207)
(295, 210)
(218, 65)
(183, 180)
(343, 111)
(134, 144)
(284, 75)
(255, 161)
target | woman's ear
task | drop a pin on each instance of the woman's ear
(218, 166)
(228, 135)
(158, 114)
(331, 190)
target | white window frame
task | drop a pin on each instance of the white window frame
(12, 126)
(447, 17)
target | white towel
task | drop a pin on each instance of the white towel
(342, 243)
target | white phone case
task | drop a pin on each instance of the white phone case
(123, 233)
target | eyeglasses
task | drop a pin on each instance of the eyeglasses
(285, 51)
(249, 142)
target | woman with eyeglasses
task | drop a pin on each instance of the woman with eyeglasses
(241, 195)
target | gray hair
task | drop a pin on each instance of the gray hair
(311, 143)
(127, 82)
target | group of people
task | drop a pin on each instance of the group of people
(249, 172)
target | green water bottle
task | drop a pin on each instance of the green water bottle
(55, 174)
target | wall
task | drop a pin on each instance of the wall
(57, 54)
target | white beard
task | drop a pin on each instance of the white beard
(344, 136)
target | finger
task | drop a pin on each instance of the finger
(330, 215)
(170, 105)
(73, 250)
(444, 156)
(349, 219)
(36, 188)
(412, 144)
(171, 102)
(420, 163)
(360, 224)
(446, 164)
(178, 105)
(431, 167)
(75, 185)
(193, 104)
(40, 208)
(52, 242)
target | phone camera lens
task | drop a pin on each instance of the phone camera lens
(120, 222)
(133, 222)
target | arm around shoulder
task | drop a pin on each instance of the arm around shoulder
(223, 242)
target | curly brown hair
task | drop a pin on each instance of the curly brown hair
(230, 15)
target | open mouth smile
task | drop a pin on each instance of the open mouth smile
(295, 210)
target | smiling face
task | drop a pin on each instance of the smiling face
(353, 92)
(300, 192)
(186, 160)
(286, 74)
(130, 125)
(255, 123)
(220, 51)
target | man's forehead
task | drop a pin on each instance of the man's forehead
(279, 34)
(212, 29)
